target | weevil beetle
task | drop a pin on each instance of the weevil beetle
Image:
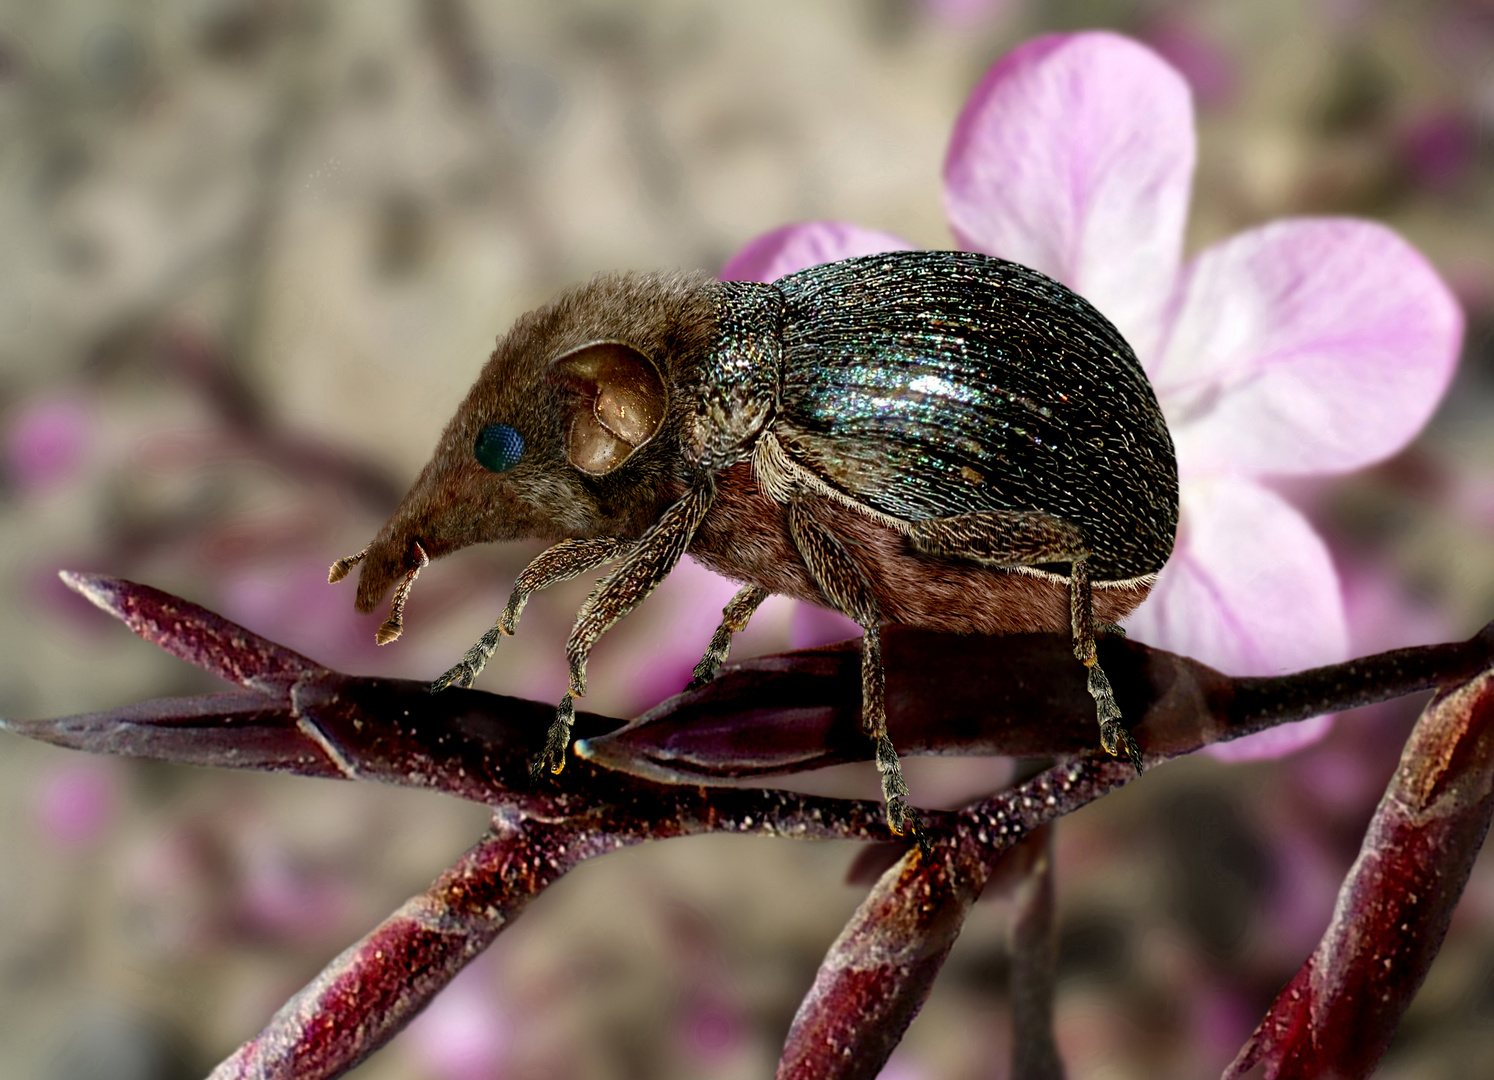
(935, 438)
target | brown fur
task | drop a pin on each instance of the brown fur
(745, 537)
(456, 502)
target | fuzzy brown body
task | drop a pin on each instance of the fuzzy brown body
(933, 439)
(745, 537)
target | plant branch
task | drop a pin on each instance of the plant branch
(1034, 975)
(1337, 1015)
(1020, 695)
(370, 992)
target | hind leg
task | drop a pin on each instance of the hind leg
(1021, 538)
(1114, 738)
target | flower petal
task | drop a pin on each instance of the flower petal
(1273, 742)
(1074, 156)
(1305, 346)
(809, 243)
(1250, 588)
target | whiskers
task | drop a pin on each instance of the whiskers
(396, 622)
(392, 626)
(341, 567)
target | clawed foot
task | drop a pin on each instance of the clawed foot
(715, 655)
(706, 670)
(1117, 742)
(1114, 737)
(902, 819)
(557, 741)
(463, 675)
(470, 666)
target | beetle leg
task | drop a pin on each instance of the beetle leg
(557, 740)
(734, 617)
(628, 584)
(845, 585)
(565, 560)
(1027, 538)
(1114, 738)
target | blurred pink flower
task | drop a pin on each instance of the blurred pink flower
(901, 1068)
(1303, 347)
(466, 1033)
(710, 1028)
(46, 442)
(1440, 149)
(76, 801)
(1200, 59)
(282, 898)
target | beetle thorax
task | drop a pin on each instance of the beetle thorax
(732, 394)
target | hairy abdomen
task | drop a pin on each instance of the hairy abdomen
(745, 537)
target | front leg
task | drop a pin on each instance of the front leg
(734, 618)
(564, 561)
(646, 564)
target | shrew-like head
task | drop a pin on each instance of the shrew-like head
(569, 431)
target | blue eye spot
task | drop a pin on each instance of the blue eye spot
(499, 448)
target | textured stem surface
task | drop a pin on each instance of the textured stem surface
(1337, 1015)
(879, 972)
(1022, 695)
(369, 993)
(1034, 977)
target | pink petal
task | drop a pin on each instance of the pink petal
(809, 243)
(1250, 588)
(1306, 346)
(1273, 742)
(1074, 156)
(813, 626)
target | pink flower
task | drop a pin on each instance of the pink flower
(47, 442)
(1303, 347)
(467, 1032)
(77, 801)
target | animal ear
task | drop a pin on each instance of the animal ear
(618, 403)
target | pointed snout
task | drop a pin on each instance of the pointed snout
(388, 559)
(424, 528)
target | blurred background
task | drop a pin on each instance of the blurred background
(252, 254)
